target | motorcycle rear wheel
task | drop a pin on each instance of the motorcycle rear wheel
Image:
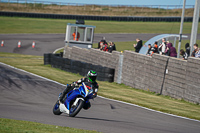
(56, 109)
(76, 109)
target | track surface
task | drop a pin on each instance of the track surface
(46, 43)
(27, 97)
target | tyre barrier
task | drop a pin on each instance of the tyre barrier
(98, 18)
(47, 59)
(78, 67)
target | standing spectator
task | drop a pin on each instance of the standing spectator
(102, 40)
(155, 48)
(170, 50)
(111, 47)
(187, 49)
(76, 38)
(149, 50)
(197, 54)
(162, 46)
(103, 47)
(138, 46)
(196, 50)
(184, 54)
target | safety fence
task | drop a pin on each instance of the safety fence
(98, 18)
(79, 67)
(158, 73)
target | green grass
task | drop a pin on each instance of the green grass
(116, 91)
(17, 126)
(40, 25)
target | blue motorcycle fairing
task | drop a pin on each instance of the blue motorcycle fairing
(78, 92)
(71, 96)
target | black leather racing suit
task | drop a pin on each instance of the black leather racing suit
(77, 83)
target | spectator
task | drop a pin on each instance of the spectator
(111, 47)
(155, 48)
(138, 46)
(149, 52)
(184, 54)
(187, 49)
(170, 50)
(103, 47)
(162, 46)
(74, 35)
(197, 54)
(196, 50)
(102, 40)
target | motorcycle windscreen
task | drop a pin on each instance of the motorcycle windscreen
(87, 89)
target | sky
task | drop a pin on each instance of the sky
(126, 2)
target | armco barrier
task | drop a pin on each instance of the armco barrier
(74, 66)
(98, 18)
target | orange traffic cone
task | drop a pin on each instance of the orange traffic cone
(33, 44)
(19, 44)
(2, 43)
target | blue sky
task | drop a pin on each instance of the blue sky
(126, 2)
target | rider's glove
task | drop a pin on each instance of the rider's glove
(75, 84)
(94, 95)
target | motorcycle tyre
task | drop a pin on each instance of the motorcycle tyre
(57, 111)
(80, 106)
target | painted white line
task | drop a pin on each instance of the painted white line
(102, 96)
(57, 50)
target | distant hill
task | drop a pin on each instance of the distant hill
(93, 10)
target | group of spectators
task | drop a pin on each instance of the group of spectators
(166, 48)
(104, 46)
(186, 53)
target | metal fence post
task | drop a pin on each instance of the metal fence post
(195, 23)
(120, 65)
(174, 41)
(181, 29)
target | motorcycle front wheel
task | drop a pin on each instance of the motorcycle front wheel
(74, 110)
(56, 109)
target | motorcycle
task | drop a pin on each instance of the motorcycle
(75, 100)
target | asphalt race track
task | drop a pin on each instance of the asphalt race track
(27, 97)
(46, 43)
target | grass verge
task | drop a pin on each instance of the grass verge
(116, 91)
(39, 25)
(17, 126)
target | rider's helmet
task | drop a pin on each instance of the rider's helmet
(92, 76)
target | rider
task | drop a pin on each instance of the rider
(91, 78)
